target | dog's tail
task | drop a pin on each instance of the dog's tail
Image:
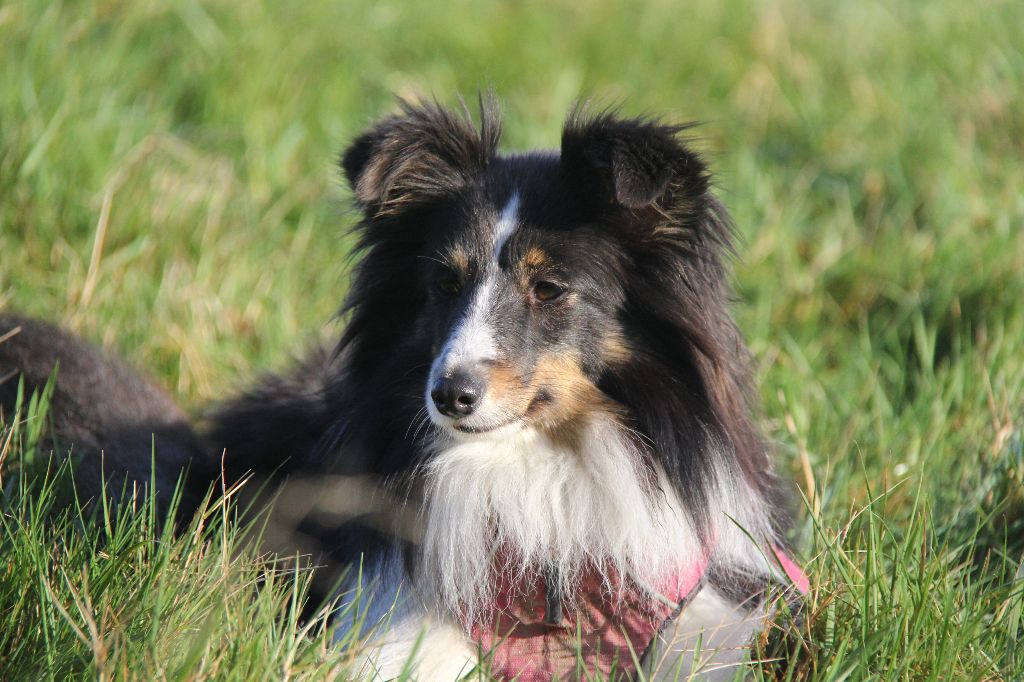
(115, 422)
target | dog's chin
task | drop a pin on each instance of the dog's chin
(498, 430)
(476, 431)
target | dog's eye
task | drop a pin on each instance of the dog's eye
(546, 292)
(449, 287)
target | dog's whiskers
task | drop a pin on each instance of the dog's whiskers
(419, 414)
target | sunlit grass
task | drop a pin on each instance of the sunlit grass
(167, 188)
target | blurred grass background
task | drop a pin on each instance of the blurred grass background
(168, 188)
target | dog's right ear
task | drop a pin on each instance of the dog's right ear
(425, 153)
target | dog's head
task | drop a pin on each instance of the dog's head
(529, 283)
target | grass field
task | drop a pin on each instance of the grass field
(168, 188)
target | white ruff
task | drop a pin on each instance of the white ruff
(595, 506)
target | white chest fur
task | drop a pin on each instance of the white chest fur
(551, 504)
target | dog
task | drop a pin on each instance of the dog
(102, 410)
(536, 435)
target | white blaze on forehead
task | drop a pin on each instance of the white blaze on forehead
(472, 340)
(507, 224)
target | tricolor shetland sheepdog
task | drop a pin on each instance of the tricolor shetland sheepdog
(538, 421)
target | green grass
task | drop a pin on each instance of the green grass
(95, 593)
(167, 188)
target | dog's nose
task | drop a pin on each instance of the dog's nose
(457, 395)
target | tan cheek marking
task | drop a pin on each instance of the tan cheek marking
(504, 386)
(573, 394)
(615, 350)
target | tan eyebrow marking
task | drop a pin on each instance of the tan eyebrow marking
(534, 258)
(532, 261)
(458, 259)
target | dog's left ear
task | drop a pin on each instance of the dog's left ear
(424, 153)
(630, 162)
